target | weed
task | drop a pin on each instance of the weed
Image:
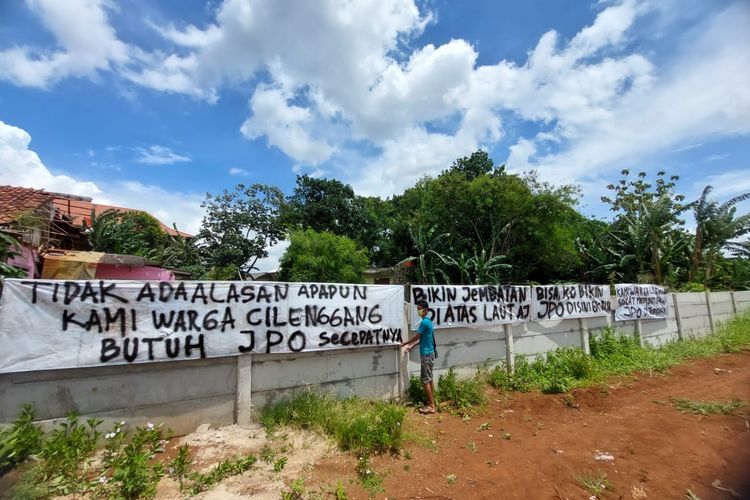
(20, 439)
(279, 464)
(339, 493)
(368, 478)
(267, 454)
(594, 483)
(230, 467)
(570, 401)
(451, 479)
(506, 435)
(407, 455)
(179, 467)
(127, 471)
(484, 427)
(472, 446)
(296, 492)
(64, 459)
(355, 424)
(416, 392)
(707, 407)
(691, 496)
(461, 394)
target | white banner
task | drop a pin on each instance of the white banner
(472, 306)
(48, 324)
(570, 301)
(641, 302)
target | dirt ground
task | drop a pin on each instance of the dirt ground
(535, 445)
(525, 446)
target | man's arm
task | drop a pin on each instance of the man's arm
(409, 344)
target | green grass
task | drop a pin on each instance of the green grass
(457, 393)
(355, 424)
(707, 407)
(594, 482)
(614, 354)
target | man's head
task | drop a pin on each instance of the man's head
(422, 308)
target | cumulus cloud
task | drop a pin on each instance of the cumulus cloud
(88, 44)
(159, 155)
(700, 95)
(240, 172)
(21, 166)
(327, 76)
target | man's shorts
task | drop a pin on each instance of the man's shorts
(427, 362)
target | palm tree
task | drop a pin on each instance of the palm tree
(715, 227)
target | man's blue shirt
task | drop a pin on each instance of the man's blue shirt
(426, 337)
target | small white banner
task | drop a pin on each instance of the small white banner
(50, 324)
(570, 301)
(472, 306)
(641, 302)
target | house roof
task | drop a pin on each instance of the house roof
(16, 200)
(79, 209)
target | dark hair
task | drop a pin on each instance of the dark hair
(423, 304)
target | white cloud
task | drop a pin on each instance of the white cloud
(81, 28)
(286, 126)
(699, 96)
(159, 155)
(240, 172)
(727, 184)
(21, 166)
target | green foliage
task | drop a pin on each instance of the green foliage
(19, 440)
(179, 467)
(416, 392)
(314, 256)
(355, 424)
(240, 226)
(370, 480)
(127, 470)
(9, 248)
(708, 407)
(64, 460)
(129, 233)
(461, 393)
(594, 482)
(198, 482)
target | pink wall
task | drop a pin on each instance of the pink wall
(121, 272)
(27, 260)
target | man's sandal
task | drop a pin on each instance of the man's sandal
(426, 410)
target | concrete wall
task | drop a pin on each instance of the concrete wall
(220, 391)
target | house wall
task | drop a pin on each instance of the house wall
(219, 391)
(123, 272)
(26, 260)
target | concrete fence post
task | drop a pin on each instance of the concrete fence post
(584, 328)
(243, 405)
(510, 355)
(639, 331)
(734, 303)
(403, 357)
(710, 312)
(677, 317)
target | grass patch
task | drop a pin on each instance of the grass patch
(594, 482)
(355, 424)
(614, 354)
(708, 407)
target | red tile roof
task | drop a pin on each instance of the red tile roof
(16, 200)
(79, 210)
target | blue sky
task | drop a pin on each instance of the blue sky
(152, 104)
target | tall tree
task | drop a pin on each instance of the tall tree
(240, 226)
(129, 233)
(324, 205)
(715, 227)
(322, 256)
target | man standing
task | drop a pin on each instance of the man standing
(426, 338)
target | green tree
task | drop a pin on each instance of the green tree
(183, 254)
(647, 229)
(240, 226)
(322, 256)
(9, 248)
(716, 225)
(476, 165)
(324, 205)
(129, 233)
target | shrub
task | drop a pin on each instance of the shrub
(463, 393)
(20, 439)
